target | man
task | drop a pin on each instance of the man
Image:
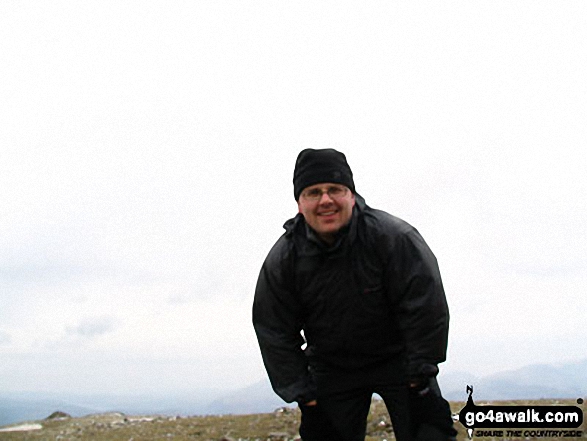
(363, 290)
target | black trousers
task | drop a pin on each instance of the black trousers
(344, 399)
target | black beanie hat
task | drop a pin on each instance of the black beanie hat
(316, 166)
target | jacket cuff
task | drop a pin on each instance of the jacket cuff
(308, 395)
(422, 371)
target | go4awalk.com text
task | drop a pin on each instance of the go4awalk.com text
(524, 416)
(527, 421)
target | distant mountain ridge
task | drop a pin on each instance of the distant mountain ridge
(14, 410)
(32, 406)
(568, 380)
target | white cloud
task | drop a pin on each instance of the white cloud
(90, 327)
(5, 338)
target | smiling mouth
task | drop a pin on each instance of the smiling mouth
(327, 213)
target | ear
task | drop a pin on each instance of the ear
(299, 207)
(353, 200)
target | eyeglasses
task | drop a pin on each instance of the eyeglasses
(334, 192)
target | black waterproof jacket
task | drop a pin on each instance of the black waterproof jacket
(375, 294)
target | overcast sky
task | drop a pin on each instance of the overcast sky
(146, 161)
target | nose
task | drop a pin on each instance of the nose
(327, 200)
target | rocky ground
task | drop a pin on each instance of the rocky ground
(281, 425)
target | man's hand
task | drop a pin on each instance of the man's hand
(420, 386)
(420, 382)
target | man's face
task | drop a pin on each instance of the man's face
(327, 208)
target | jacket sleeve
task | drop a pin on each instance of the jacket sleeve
(418, 295)
(277, 321)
